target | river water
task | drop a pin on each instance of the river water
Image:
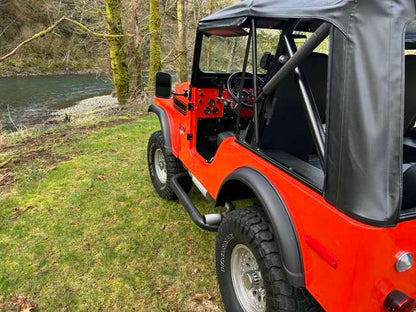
(26, 101)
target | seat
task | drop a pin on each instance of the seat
(409, 143)
(224, 135)
(410, 94)
(409, 186)
(287, 129)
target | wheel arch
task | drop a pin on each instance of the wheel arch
(255, 185)
(164, 125)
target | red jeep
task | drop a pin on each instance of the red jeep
(305, 109)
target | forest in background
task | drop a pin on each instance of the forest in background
(166, 27)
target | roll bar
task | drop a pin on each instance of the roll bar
(255, 104)
(312, 113)
(240, 97)
(307, 48)
(292, 65)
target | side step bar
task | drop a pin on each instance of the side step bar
(208, 222)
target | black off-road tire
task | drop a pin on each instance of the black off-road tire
(173, 167)
(249, 227)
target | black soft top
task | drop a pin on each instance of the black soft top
(271, 12)
(365, 95)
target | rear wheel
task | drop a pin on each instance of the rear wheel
(163, 167)
(249, 268)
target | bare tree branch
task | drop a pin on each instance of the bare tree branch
(168, 56)
(7, 27)
(52, 27)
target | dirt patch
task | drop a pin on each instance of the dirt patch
(61, 136)
(41, 148)
(6, 177)
(46, 156)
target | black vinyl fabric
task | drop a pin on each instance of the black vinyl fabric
(366, 104)
(269, 12)
(366, 97)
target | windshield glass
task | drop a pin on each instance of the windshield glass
(226, 54)
(223, 54)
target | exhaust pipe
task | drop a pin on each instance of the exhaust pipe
(213, 219)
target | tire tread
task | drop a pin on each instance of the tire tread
(281, 295)
(173, 166)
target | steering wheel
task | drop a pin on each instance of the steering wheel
(233, 86)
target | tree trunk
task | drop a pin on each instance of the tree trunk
(118, 57)
(155, 53)
(182, 65)
(138, 46)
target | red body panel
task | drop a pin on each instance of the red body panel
(364, 273)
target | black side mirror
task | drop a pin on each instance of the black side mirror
(163, 88)
(266, 61)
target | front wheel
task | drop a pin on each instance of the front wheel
(163, 167)
(249, 268)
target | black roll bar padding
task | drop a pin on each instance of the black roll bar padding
(243, 76)
(193, 212)
(311, 110)
(307, 48)
(267, 108)
(255, 103)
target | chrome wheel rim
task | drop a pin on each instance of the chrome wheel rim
(160, 166)
(247, 280)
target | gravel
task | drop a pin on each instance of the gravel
(89, 105)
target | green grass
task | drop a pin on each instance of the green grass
(92, 234)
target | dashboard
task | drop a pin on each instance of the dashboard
(215, 103)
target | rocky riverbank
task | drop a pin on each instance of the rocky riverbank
(98, 104)
(92, 112)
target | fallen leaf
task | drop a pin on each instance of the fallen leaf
(201, 297)
(101, 177)
(53, 167)
(7, 178)
(173, 294)
(29, 207)
(22, 303)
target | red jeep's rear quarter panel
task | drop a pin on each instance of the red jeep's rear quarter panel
(365, 254)
(365, 272)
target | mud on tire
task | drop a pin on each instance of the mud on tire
(248, 227)
(163, 166)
